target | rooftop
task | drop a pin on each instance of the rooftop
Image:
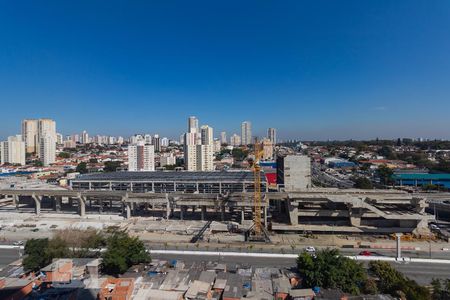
(187, 176)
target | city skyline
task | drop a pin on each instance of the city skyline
(322, 70)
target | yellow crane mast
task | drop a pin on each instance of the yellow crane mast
(257, 190)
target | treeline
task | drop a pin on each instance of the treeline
(122, 250)
(329, 270)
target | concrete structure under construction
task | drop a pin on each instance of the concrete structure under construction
(228, 196)
(294, 172)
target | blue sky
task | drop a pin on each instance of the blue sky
(312, 69)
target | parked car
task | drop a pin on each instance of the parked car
(18, 243)
(310, 249)
(365, 253)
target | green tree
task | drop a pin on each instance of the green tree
(38, 163)
(122, 252)
(82, 168)
(329, 269)
(35, 251)
(385, 173)
(362, 183)
(111, 166)
(64, 155)
(93, 161)
(57, 248)
(391, 281)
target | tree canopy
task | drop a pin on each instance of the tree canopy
(82, 168)
(391, 281)
(122, 252)
(329, 269)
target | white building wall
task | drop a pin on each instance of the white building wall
(47, 149)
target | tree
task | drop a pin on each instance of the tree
(38, 163)
(111, 166)
(93, 161)
(82, 168)
(122, 252)
(36, 257)
(64, 155)
(385, 173)
(329, 269)
(362, 183)
(391, 281)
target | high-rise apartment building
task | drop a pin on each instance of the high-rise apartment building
(164, 142)
(272, 135)
(156, 141)
(190, 151)
(29, 135)
(246, 133)
(59, 139)
(45, 127)
(13, 150)
(223, 137)
(193, 124)
(47, 149)
(198, 147)
(267, 149)
(235, 140)
(84, 137)
(141, 157)
(148, 139)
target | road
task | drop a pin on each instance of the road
(421, 272)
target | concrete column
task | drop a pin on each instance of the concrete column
(57, 203)
(16, 201)
(70, 202)
(222, 212)
(399, 247)
(82, 206)
(127, 210)
(193, 208)
(167, 206)
(181, 212)
(203, 212)
(110, 204)
(242, 215)
(37, 202)
(265, 216)
(293, 212)
(100, 206)
(90, 203)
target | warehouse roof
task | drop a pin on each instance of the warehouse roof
(187, 176)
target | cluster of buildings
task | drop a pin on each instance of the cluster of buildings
(38, 138)
(158, 280)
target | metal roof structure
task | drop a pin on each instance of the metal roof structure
(165, 176)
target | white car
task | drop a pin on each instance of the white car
(310, 249)
(434, 227)
(18, 243)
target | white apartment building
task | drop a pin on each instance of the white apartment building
(246, 133)
(235, 140)
(47, 149)
(164, 142)
(272, 135)
(190, 155)
(13, 150)
(84, 137)
(141, 157)
(167, 159)
(46, 127)
(223, 137)
(205, 157)
(29, 134)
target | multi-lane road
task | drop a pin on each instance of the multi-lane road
(423, 273)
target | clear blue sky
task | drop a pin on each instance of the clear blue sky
(313, 69)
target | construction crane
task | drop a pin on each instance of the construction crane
(257, 232)
(257, 190)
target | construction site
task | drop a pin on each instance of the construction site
(241, 200)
